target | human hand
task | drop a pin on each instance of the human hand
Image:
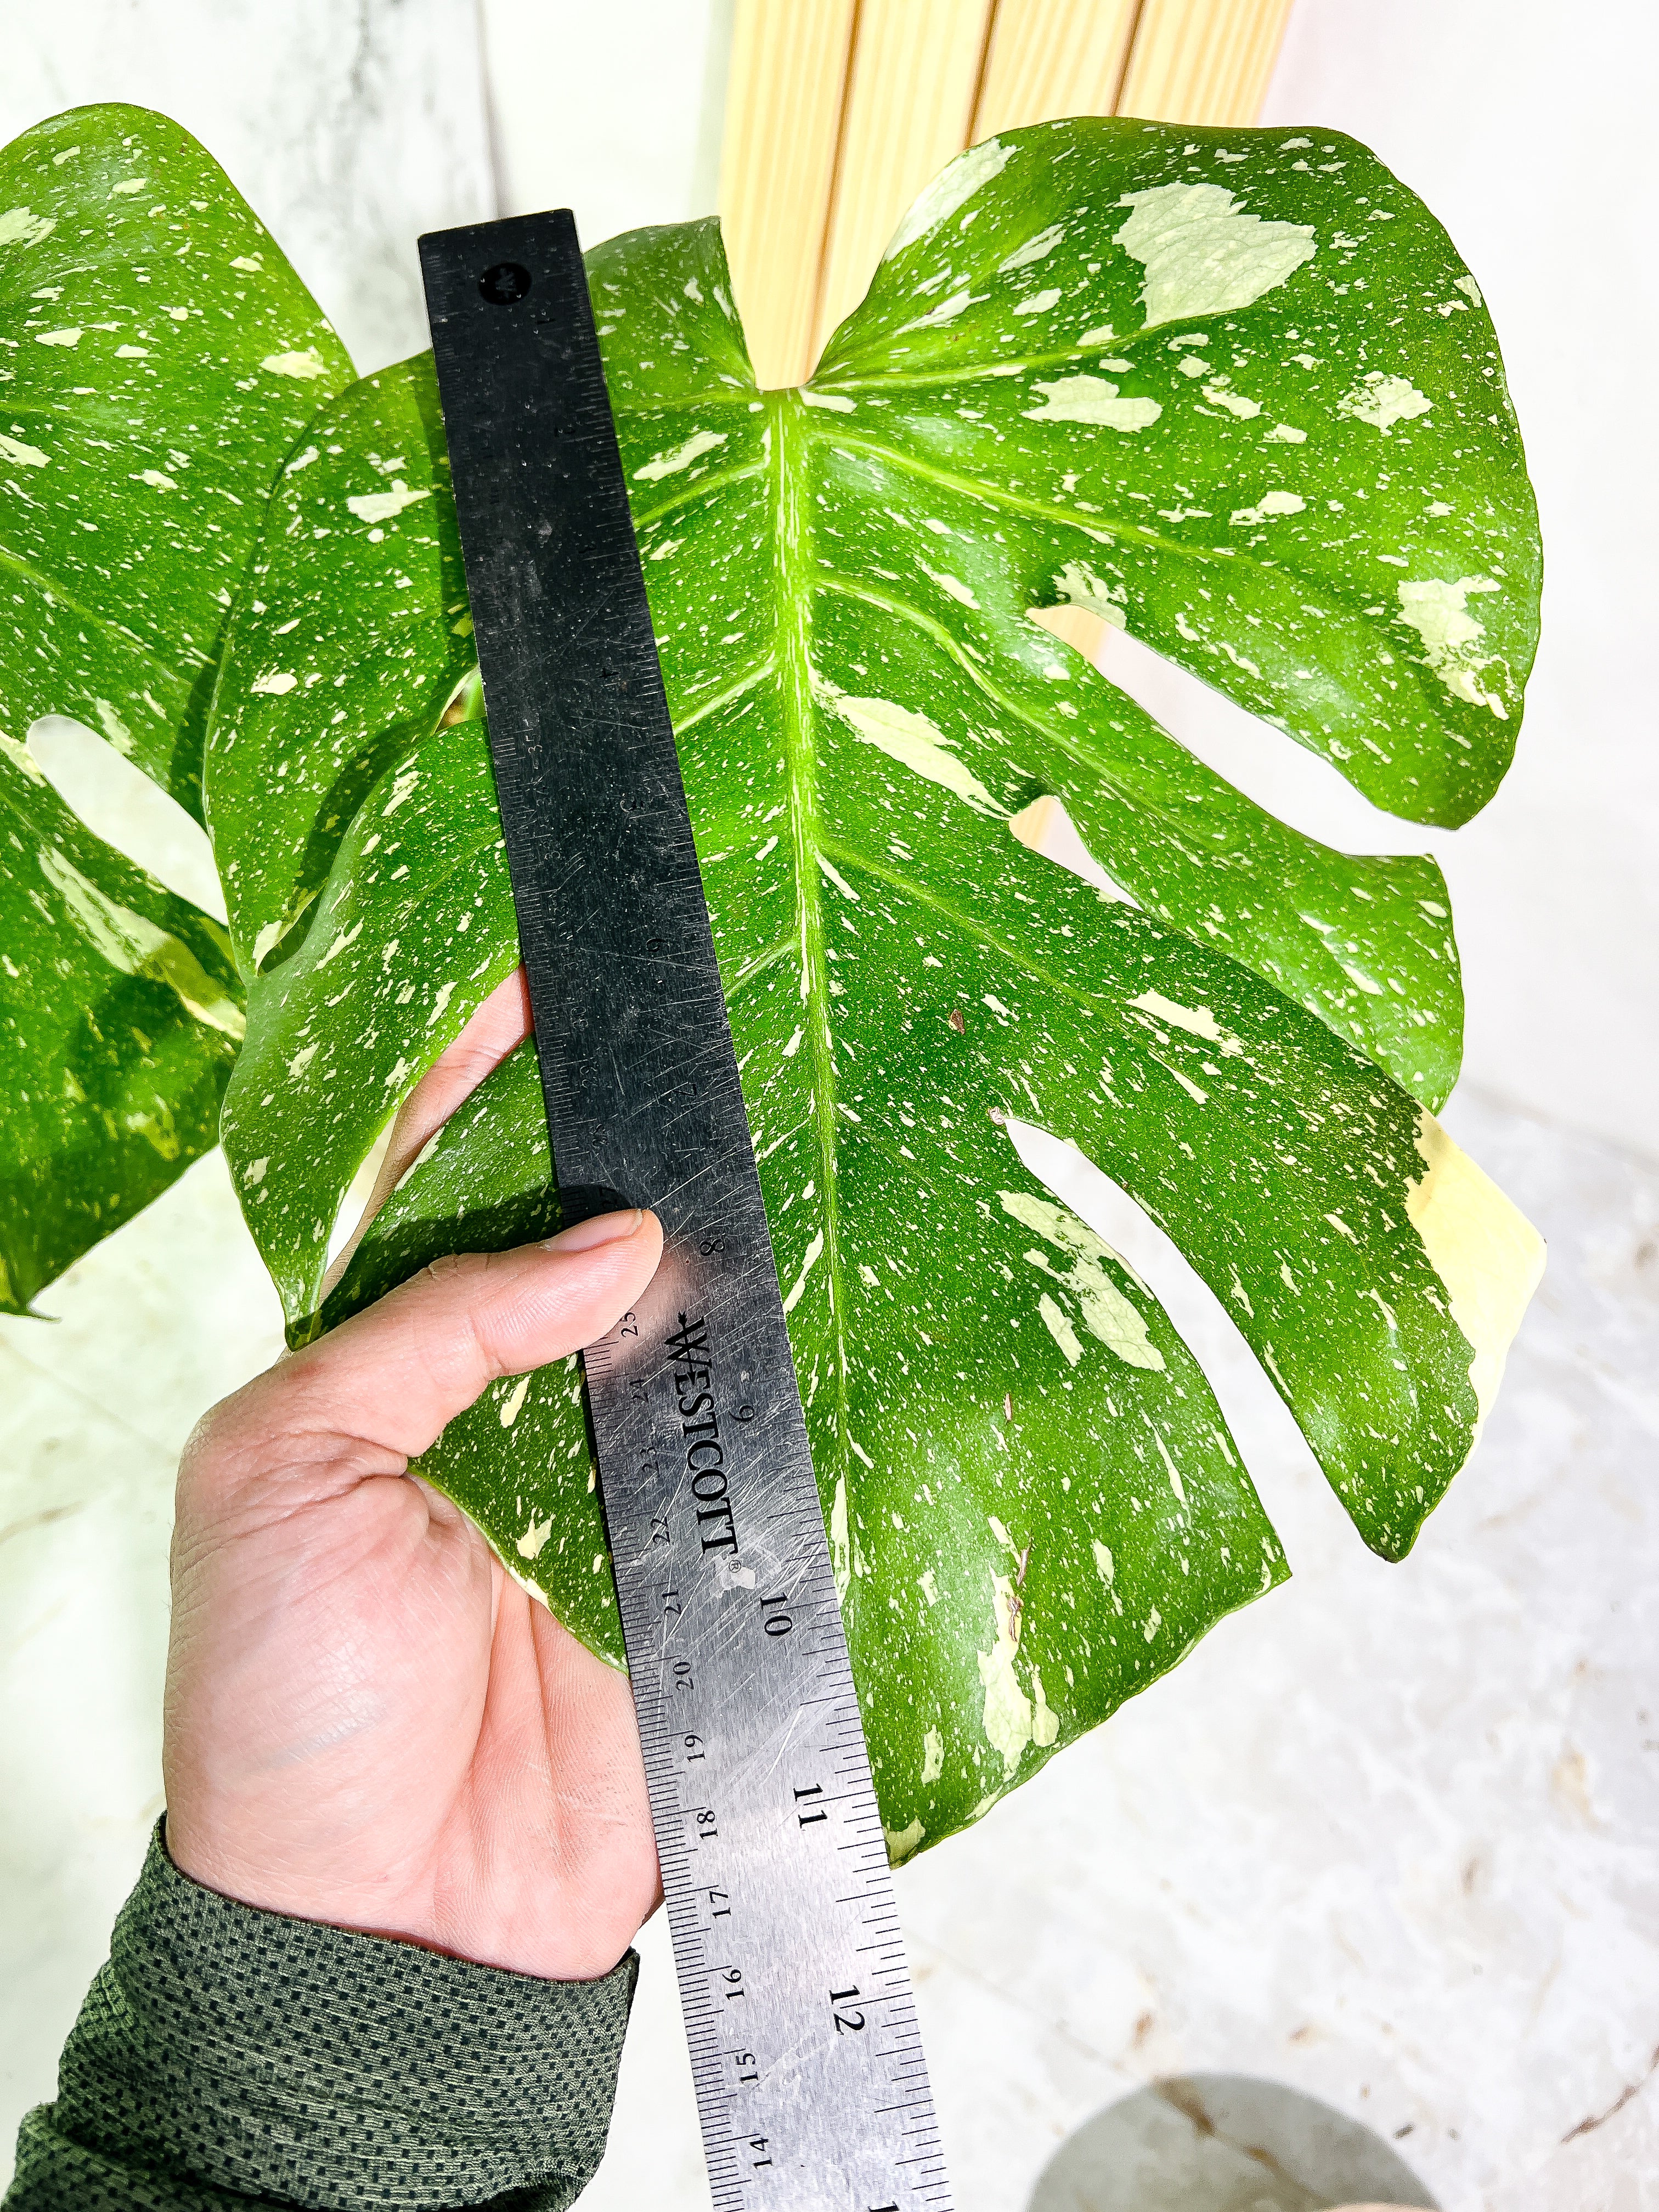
(367, 1722)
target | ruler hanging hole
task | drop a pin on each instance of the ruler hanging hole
(504, 284)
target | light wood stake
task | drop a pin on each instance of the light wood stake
(1051, 57)
(783, 104)
(909, 110)
(1202, 61)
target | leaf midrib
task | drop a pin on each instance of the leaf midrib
(793, 541)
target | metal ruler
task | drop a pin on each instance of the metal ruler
(811, 2086)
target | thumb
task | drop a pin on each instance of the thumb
(376, 1393)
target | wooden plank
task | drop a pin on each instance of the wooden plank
(783, 109)
(1202, 61)
(838, 112)
(1074, 626)
(1050, 58)
(910, 104)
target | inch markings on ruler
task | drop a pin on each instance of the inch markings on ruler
(811, 2087)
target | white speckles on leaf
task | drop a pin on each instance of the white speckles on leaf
(1169, 1468)
(1035, 249)
(535, 1536)
(912, 741)
(1483, 1248)
(1382, 401)
(1007, 1716)
(1092, 399)
(814, 1252)
(669, 464)
(946, 312)
(1037, 303)
(20, 454)
(932, 1756)
(832, 401)
(1197, 1021)
(902, 1843)
(951, 585)
(156, 480)
(1107, 1314)
(1078, 584)
(342, 939)
(1269, 504)
(381, 506)
(20, 226)
(275, 681)
(1203, 254)
(841, 1552)
(1055, 1322)
(511, 1405)
(1105, 1567)
(1438, 612)
(23, 759)
(952, 189)
(68, 337)
(254, 1173)
(136, 945)
(305, 366)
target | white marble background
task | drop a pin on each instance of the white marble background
(1388, 1837)
(350, 125)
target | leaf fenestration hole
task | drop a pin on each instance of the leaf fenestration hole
(1084, 631)
(358, 1192)
(118, 803)
(1045, 827)
(1283, 777)
(1263, 1429)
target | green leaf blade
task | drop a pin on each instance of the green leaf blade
(158, 356)
(1349, 474)
(163, 356)
(865, 713)
(120, 1014)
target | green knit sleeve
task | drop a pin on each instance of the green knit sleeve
(224, 2056)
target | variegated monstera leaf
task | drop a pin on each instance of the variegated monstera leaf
(1234, 392)
(158, 358)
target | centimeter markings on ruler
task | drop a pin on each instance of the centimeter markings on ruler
(811, 2087)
